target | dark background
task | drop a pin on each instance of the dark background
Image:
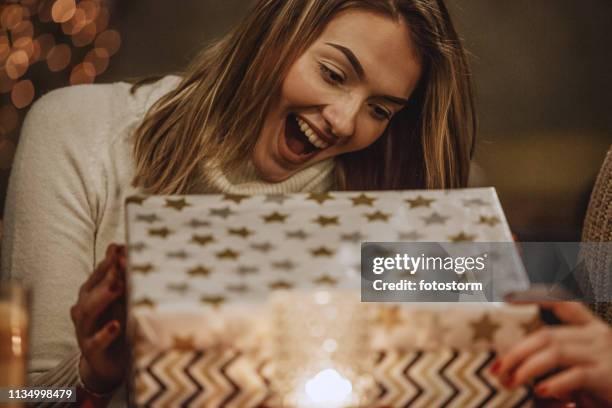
(543, 75)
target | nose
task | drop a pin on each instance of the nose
(340, 116)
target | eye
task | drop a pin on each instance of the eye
(330, 75)
(380, 113)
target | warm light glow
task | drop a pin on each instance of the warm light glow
(328, 389)
(63, 10)
(11, 16)
(45, 42)
(22, 93)
(17, 64)
(58, 57)
(98, 57)
(109, 40)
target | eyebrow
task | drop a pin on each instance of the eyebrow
(350, 56)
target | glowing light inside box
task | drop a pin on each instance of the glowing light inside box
(327, 389)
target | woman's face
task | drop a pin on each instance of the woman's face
(340, 95)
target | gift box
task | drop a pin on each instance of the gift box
(239, 301)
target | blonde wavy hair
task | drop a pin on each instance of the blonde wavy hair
(217, 111)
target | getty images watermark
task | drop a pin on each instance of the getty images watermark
(482, 272)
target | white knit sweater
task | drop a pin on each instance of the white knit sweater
(71, 175)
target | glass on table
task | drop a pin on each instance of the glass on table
(14, 323)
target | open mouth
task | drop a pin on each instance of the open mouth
(301, 139)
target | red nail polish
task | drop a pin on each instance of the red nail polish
(509, 381)
(541, 390)
(113, 328)
(495, 367)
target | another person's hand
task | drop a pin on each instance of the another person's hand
(579, 354)
(99, 321)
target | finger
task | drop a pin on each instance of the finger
(99, 299)
(536, 342)
(102, 339)
(548, 359)
(564, 383)
(568, 312)
(101, 269)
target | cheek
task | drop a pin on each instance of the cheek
(300, 87)
(366, 134)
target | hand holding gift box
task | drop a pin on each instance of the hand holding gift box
(204, 268)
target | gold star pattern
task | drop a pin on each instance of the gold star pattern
(202, 240)
(138, 200)
(276, 198)
(325, 221)
(390, 317)
(355, 237)
(320, 197)
(221, 212)
(325, 280)
(285, 265)
(183, 343)
(298, 234)
(363, 199)
(195, 223)
(280, 285)
(274, 217)
(178, 287)
(321, 251)
(420, 201)
(410, 236)
(241, 232)
(144, 302)
(490, 221)
(484, 328)
(177, 255)
(377, 216)
(227, 254)
(532, 325)
(137, 246)
(148, 218)
(264, 247)
(160, 232)
(237, 288)
(462, 237)
(435, 218)
(144, 269)
(474, 202)
(198, 271)
(237, 198)
(246, 270)
(177, 204)
(214, 300)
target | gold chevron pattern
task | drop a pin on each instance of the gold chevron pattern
(228, 378)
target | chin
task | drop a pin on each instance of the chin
(270, 173)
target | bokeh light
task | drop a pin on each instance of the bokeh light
(83, 73)
(63, 10)
(59, 57)
(99, 58)
(11, 16)
(17, 64)
(109, 40)
(62, 35)
(22, 93)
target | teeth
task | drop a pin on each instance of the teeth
(311, 135)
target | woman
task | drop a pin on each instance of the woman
(303, 95)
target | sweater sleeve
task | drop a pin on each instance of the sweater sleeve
(50, 224)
